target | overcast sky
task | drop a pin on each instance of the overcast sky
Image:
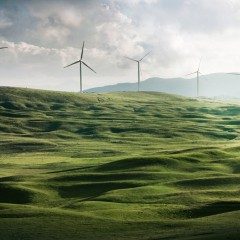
(43, 36)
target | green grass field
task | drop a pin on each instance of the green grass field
(118, 166)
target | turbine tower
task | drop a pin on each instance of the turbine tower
(198, 77)
(138, 64)
(3, 47)
(80, 61)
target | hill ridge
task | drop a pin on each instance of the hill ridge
(211, 85)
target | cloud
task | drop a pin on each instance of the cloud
(55, 21)
(45, 35)
(56, 13)
(117, 33)
(4, 20)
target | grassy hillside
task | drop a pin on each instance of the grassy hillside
(118, 166)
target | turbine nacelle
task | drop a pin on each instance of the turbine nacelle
(139, 59)
(80, 61)
(198, 73)
(193, 73)
(138, 62)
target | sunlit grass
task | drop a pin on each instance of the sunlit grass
(117, 166)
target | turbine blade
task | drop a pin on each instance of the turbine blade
(72, 64)
(131, 59)
(190, 74)
(199, 63)
(88, 66)
(82, 50)
(3, 47)
(144, 56)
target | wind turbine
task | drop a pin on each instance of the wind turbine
(198, 76)
(138, 64)
(3, 47)
(80, 61)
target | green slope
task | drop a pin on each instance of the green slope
(117, 166)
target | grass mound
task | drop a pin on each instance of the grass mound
(12, 194)
(117, 166)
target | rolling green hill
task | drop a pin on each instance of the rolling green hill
(118, 166)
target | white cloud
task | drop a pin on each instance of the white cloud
(4, 20)
(55, 21)
(56, 13)
(178, 32)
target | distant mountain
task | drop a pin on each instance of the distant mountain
(212, 85)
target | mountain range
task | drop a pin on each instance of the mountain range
(212, 85)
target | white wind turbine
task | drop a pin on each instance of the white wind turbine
(138, 63)
(80, 61)
(198, 77)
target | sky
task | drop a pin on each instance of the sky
(44, 36)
